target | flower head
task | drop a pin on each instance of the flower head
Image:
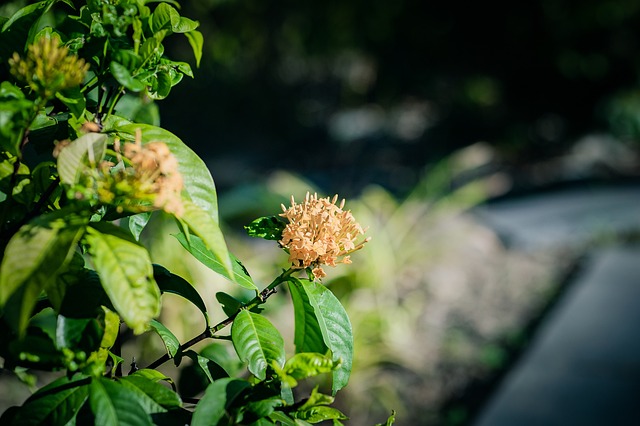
(146, 179)
(319, 233)
(48, 67)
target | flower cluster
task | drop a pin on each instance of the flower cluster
(319, 233)
(146, 179)
(48, 67)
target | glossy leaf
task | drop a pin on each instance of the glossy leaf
(35, 255)
(171, 342)
(151, 386)
(199, 250)
(184, 25)
(55, 404)
(219, 354)
(319, 413)
(163, 17)
(171, 283)
(218, 396)
(197, 179)
(196, 41)
(204, 226)
(269, 228)
(308, 364)
(335, 327)
(257, 342)
(308, 335)
(115, 404)
(137, 223)
(124, 77)
(71, 159)
(126, 274)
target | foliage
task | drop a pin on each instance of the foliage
(81, 173)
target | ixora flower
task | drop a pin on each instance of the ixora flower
(48, 67)
(319, 233)
(146, 178)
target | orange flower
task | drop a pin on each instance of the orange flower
(319, 232)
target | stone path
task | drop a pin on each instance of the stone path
(583, 365)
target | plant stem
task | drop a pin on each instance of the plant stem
(209, 332)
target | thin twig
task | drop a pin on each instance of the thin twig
(209, 332)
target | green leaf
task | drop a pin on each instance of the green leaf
(230, 305)
(308, 335)
(171, 283)
(390, 421)
(196, 41)
(74, 100)
(78, 333)
(197, 178)
(184, 25)
(199, 250)
(54, 404)
(170, 341)
(204, 226)
(34, 256)
(269, 228)
(160, 85)
(148, 382)
(335, 327)
(115, 404)
(308, 364)
(257, 342)
(201, 361)
(219, 354)
(19, 30)
(279, 416)
(319, 413)
(71, 160)
(124, 77)
(137, 223)
(126, 274)
(163, 17)
(218, 396)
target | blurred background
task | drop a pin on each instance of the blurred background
(489, 148)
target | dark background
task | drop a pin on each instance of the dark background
(358, 92)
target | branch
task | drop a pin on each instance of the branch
(209, 332)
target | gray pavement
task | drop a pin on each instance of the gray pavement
(583, 365)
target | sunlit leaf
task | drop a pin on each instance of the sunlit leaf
(196, 41)
(218, 396)
(71, 159)
(152, 387)
(335, 327)
(55, 404)
(170, 341)
(184, 25)
(308, 335)
(269, 228)
(137, 223)
(307, 364)
(197, 178)
(164, 16)
(204, 226)
(124, 77)
(126, 274)
(35, 255)
(257, 342)
(115, 404)
(319, 413)
(199, 250)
